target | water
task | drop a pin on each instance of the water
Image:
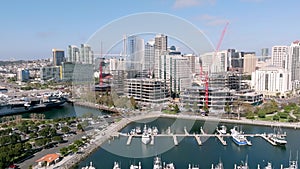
(68, 110)
(188, 151)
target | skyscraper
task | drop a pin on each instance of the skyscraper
(86, 54)
(73, 54)
(294, 58)
(58, 57)
(149, 56)
(135, 52)
(249, 62)
(280, 56)
(161, 43)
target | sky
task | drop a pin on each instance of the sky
(30, 29)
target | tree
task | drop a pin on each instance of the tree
(63, 151)
(133, 102)
(276, 117)
(57, 139)
(28, 146)
(65, 129)
(227, 108)
(79, 127)
(176, 108)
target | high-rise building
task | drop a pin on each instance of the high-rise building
(265, 52)
(294, 60)
(51, 73)
(176, 72)
(23, 75)
(73, 54)
(161, 43)
(249, 63)
(271, 81)
(280, 56)
(237, 60)
(149, 56)
(86, 54)
(213, 62)
(58, 57)
(135, 52)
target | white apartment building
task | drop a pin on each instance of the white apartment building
(175, 69)
(271, 81)
(280, 56)
(214, 62)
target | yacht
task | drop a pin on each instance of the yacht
(145, 136)
(116, 165)
(278, 137)
(218, 166)
(138, 130)
(89, 167)
(222, 129)
(157, 163)
(242, 165)
(269, 166)
(238, 137)
(292, 164)
(169, 166)
(136, 166)
(193, 166)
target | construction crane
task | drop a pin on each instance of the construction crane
(215, 53)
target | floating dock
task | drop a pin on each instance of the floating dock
(198, 140)
(129, 140)
(197, 137)
(221, 139)
(175, 140)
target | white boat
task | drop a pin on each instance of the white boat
(157, 163)
(238, 137)
(218, 166)
(116, 165)
(136, 166)
(278, 137)
(169, 166)
(138, 130)
(242, 165)
(145, 136)
(154, 131)
(193, 166)
(89, 167)
(292, 164)
(269, 166)
(222, 129)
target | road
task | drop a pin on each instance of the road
(44, 152)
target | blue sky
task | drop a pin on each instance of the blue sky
(31, 28)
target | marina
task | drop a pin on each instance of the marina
(240, 140)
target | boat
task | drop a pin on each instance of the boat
(154, 131)
(242, 165)
(278, 137)
(24, 105)
(293, 164)
(222, 129)
(145, 136)
(89, 166)
(238, 137)
(169, 166)
(157, 163)
(218, 166)
(193, 166)
(269, 166)
(139, 166)
(116, 165)
(138, 130)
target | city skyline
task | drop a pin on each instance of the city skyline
(33, 28)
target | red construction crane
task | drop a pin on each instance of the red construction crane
(216, 51)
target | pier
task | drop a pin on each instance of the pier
(221, 139)
(129, 140)
(175, 140)
(197, 137)
(198, 140)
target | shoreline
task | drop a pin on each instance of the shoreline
(112, 129)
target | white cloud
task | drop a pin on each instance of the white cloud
(211, 20)
(190, 3)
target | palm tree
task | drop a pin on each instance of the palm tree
(227, 109)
